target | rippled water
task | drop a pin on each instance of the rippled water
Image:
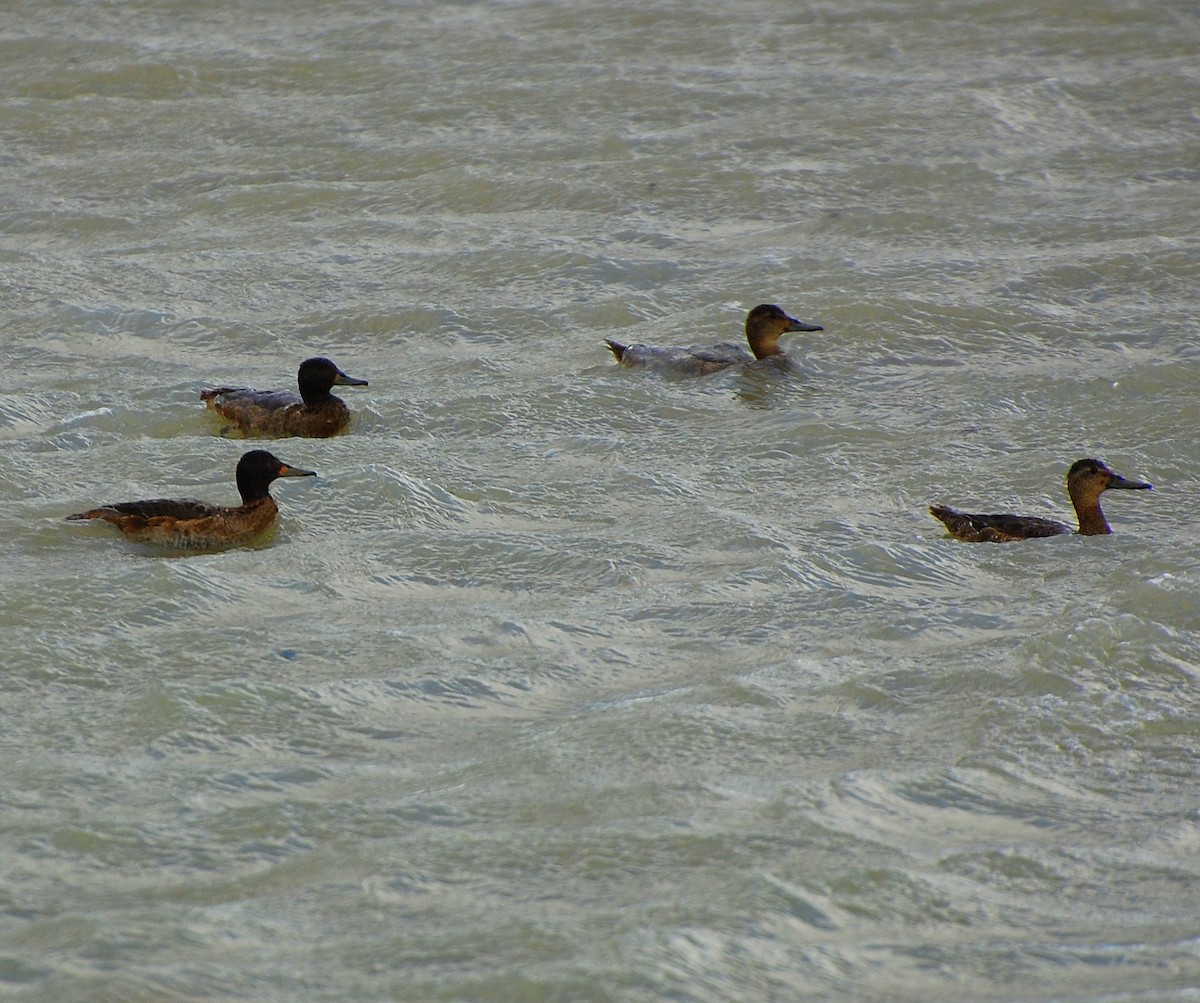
(567, 682)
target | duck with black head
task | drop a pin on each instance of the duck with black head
(765, 324)
(188, 524)
(315, 413)
(1087, 480)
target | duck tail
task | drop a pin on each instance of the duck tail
(961, 526)
(942, 512)
(92, 513)
(616, 348)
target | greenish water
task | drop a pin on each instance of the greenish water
(566, 682)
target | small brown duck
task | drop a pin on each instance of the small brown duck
(187, 524)
(314, 414)
(764, 325)
(1087, 480)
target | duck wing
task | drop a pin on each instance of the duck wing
(975, 527)
(691, 360)
(244, 398)
(152, 508)
(724, 354)
(262, 412)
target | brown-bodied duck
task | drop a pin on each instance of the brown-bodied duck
(1087, 480)
(314, 414)
(187, 524)
(764, 325)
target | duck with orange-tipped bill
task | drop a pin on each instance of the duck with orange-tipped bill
(188, 524)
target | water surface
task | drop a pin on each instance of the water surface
(566, 682)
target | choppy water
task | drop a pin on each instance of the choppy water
(565, 682)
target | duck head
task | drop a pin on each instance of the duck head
(764, 325)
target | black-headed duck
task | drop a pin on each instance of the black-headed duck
(314, 414)
(764, 325)
(188, 524)
(1087, 480)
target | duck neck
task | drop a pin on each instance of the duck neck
(1091, 518)
(762, 349)
(314, 395)
(252, 491)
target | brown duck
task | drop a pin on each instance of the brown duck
(314, 414)
(764, 325)
(1087, 480)
(187, 524)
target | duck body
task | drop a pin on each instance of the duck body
(277, 413)
(1087, 480)
(185, 523)
(693, 360)
(188, 524)
(314, 413)
(764, 325)
(973, 527)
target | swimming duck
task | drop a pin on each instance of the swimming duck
(188, 524)
(1087, 480)
(315, 414)
(764, 325)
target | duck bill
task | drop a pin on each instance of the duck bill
(348, 381)
(795, 325)
(1124, 482)
(286, 471)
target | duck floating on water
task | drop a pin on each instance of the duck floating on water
(314, 414)
(764, 325)
(187, 524)
(1087, 480)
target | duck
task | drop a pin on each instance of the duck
(1087, 480)
(314, 414)
(188, 524)
(764, 325)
